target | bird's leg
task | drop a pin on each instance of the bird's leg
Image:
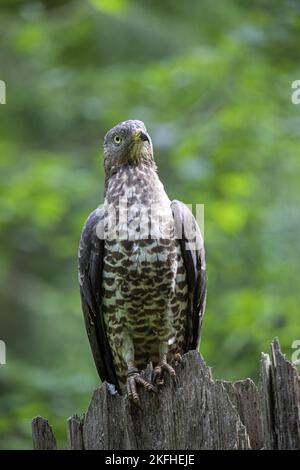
(163, 364)
(133, 376)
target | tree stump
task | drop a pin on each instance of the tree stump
(195, 412)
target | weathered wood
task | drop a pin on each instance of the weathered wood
(194, 412)
(244, 395)
(266, 399)
(75, 433)
(195, 399)
(281, 401)
(42, 434)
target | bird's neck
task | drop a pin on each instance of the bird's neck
(134, 182)
(114, 167)
(136, 205)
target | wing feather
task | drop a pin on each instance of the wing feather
(90, 260)
(192, 249)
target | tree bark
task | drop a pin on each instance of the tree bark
(194, 412)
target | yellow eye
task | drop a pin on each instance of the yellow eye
(117, 139)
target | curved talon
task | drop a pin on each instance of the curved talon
(159, 370)
(177, 359)
(134, 378)
(147, 385)
(158, 376)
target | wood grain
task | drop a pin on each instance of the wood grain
(194, 412)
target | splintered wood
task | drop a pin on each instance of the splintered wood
(194, 412)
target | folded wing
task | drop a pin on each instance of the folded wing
(192, 249)
(90, 258)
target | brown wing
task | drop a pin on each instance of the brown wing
(192, 249)
(90, 258)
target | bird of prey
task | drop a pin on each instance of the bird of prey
(141, 268)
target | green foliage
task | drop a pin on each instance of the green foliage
(213, 84)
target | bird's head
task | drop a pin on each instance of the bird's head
(127, 143)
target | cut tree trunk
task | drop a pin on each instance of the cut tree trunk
(194, 412)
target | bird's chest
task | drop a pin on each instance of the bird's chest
(140, 258)
(140, 266)
(142, 278)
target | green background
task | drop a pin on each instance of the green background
(212, 81)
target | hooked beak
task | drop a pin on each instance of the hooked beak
(139, 135)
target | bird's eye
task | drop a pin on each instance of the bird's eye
(117, 139)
